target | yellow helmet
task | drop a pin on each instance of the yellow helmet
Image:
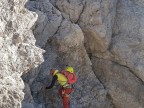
(70, 69)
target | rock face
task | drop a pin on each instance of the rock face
(18, 53)
(125, 89)
(127, 43)
(64, 47)
(101, 39)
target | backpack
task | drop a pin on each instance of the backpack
(71, 77)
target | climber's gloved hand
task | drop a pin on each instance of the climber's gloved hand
(47, 88)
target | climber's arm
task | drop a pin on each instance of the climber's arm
(53, 82)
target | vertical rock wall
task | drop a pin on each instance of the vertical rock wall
(18, 52)
(101, 39)
(122, 70)
(110, 31)
(64, 45)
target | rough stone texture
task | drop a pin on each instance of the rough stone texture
(125, 89)
(28, 99)
(64, 47)
(95, 17)
(126, 58)
(101, 39)
(64, 43)
(49, 19)
(128, 39)
(96, 22)
(18, 53)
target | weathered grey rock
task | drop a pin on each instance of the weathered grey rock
(124, 88)
(95, 17)
(71, 9)
(28, 99)
(85, 96)
(18, 53)
(104, 34)
(128, 39)
(66, 48)
(49, 19)
(96, 22)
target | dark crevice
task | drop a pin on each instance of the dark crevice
(58, 27)
(122, 66)
(99, 80)
(105, 88)
(84, 5)
(129, 70)
(50, 39)
(113, 35)
(68, 1)
(90, 55)
(76, 22)
(116, 63)
(111, 101)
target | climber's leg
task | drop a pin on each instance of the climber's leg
(64, 92)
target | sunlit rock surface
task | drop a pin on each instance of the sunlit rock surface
(101, 39)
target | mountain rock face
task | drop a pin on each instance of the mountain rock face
(102, 39)
(18, 53)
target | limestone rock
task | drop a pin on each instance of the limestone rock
(71, 9)
(66, 48)
(124, 88)
(18, 52)
(95, 17)
(101, 39)
(128, 39)
(49, 19)
(28, 99)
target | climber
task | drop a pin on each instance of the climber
(65, 78)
